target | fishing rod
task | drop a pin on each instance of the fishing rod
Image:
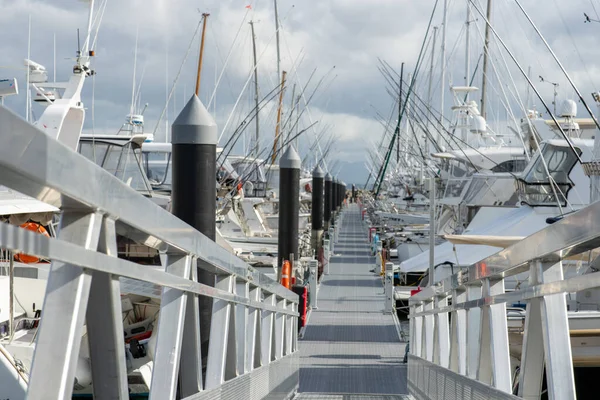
(410, 88)
(559, 64)
(537, 93)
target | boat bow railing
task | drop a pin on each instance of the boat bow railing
(459, 333)
(252, 348)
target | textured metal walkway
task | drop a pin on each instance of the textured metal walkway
(351, 349)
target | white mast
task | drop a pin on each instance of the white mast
(132, 111)
(443, 79)
(28, 97)
(486, 49)
(54, 69)
(468, 50)
(435, 28)
(464, 131)
(277, 40)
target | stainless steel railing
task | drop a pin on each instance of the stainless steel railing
(254, 324)
(459, 329)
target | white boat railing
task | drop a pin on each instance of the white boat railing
(253, 334)
(459, 346)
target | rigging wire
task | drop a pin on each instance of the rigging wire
(410, 89)
(537, 93)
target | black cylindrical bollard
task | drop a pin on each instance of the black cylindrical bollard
(327, 200)
(194, 150)
(289, 207)
(317, 208)
(353, 193)
(338, 191)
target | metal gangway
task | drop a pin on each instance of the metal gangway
(352, 347)
(459, 332)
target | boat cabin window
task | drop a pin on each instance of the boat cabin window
(157, 165)
(122, 161)
(456, 169)
(535, 187)
(559, 159)
(510, 166)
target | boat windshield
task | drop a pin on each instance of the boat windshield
(122, 160)
(559, 160)
(158, 169)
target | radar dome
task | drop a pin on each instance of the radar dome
(478, 124)
(568, 109)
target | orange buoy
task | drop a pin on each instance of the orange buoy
(286, 274)
(35, 227)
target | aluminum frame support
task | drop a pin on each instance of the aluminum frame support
(169, 341)
(67, 293)
(266, 332)
(190, 371)
(428, 332)
(441, 351)
(458, 335)
(494, 357)
(219, 345)
(546, 326)
(105, 325)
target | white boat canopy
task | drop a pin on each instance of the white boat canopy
(491, 222)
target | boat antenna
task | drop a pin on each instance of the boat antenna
(555, 85)
(537, 93)
(588, 19)
(559, 65)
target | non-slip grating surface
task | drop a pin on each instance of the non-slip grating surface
(351, 349)
(347, 396)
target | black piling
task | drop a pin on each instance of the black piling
(289, 207)
(317, 209)
(327, 201)
(194, 150)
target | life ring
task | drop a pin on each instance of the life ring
(26, 258)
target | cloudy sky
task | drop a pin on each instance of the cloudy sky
(330, 47)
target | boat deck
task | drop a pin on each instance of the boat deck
(351, 350)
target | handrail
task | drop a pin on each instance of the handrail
(574, 234)
(476, 348)
(38, 166)
(253, 325)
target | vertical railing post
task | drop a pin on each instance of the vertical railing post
(458, 342)
(279, 329)
(494, 356)
(252, 329)
(266, 334)
(473, 329)
(190, 371)
(428, 333)
(241, 327)
(220, 349)
(549, 313)
(442, 333)
(67, 292)
(417, 338)
(170, 332)
(105, 325)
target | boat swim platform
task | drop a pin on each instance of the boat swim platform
(351, 349)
